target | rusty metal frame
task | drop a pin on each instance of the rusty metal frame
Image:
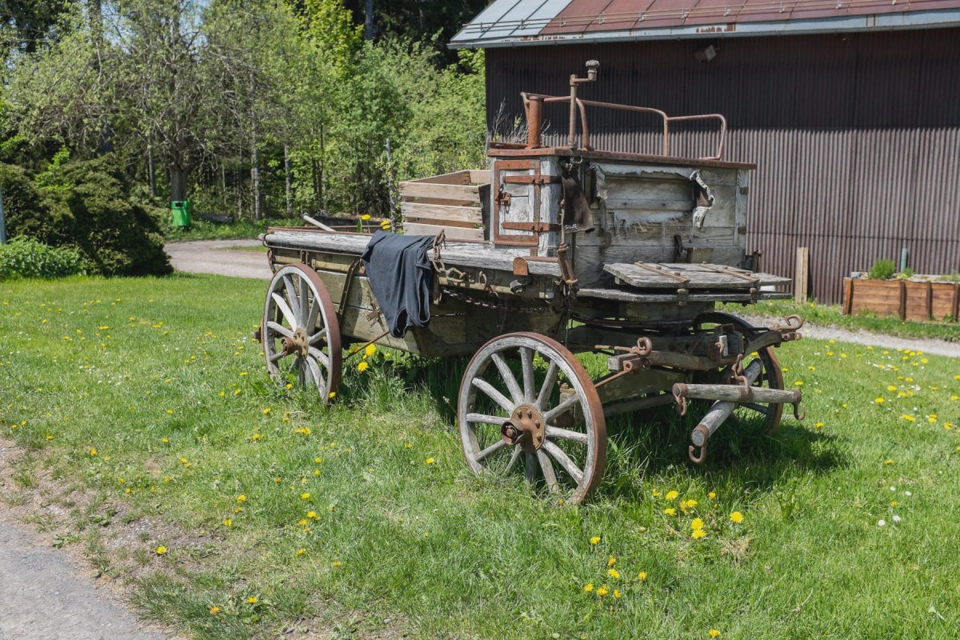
(532, 107)
(499, 166)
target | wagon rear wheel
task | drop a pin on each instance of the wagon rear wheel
(300, 333)
(528, 407)
(771, 375)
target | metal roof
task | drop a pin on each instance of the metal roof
(533, 22)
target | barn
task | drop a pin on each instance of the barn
(850, 109)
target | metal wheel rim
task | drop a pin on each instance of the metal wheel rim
(284, 312)
(564, 474)
(771, 376)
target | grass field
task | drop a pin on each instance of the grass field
(146, 415)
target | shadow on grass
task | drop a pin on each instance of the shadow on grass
(650, 443)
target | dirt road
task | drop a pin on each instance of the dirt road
(211, 256)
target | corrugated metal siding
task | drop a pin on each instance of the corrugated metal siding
(856, 137)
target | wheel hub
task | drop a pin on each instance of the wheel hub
(298, 344)
(526, 428)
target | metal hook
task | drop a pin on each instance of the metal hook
(697, 459)
(681, 402)
(799, 412)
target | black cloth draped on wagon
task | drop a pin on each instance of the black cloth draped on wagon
(401, 276)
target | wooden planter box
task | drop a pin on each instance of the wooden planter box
(921, 301)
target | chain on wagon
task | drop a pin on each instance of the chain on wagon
(552, 252)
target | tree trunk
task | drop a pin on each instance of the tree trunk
(288, 179)
(255, 175)
(368, 20)
(178, 183)
(151, 169)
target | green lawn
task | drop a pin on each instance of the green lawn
(148, 417)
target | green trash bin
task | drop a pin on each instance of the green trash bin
(180, 213)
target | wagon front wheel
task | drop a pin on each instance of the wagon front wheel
(527, 406)
(299, 333)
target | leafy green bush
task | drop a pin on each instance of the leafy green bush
(26, 258)
(882, 270)
(89, 205)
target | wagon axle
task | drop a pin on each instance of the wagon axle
(526, 427)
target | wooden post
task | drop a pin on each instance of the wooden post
(847, 296)
(929, 300)
(956, 302)
(802, 277)
(903, 300)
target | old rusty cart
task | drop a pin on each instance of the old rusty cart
(523, 283)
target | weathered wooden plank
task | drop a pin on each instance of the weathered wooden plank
(478, 255)
(641, 297)
(441, 212)
(455, 177)
(771, 280)
(454, 233)
(678, 275)
(479, 176)
(439, 191)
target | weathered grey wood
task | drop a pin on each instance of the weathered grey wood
(438, 191)
(454, 233)
(720, 411)
(675, 275)
(640, 297)
(739, 394)
(479, 255)
(441, 212)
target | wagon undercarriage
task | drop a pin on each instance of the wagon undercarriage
(525, 285)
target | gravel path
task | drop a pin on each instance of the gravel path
(210, 256)
(45, 596)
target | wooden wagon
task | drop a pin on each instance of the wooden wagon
(523, 284)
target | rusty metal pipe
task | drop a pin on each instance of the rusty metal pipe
(534, 122)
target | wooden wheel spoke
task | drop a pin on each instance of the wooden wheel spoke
(320, 356)
(548, 473)
(279, 328)
(514, 457)
(285, 310)
(496, 446)
(526, 365)
(568, 465)
(319, 335)
(291, 290)
(304, 301)
(311, 320)
(530, 467)
(493, 394)
(277, 356)
(315, 372)
(508, 377)
(561, 408)
(483, 418)
(566, 434)
(548, 383)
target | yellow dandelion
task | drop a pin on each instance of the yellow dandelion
(642, 576)
(304, 496)
(93, 451)
(712, 495)
(595, 540)
(588, 587)
(696, 524)
(228, 522)
(370, 350)
(300, 552)
(312, 515)
(336, 563)
(612, 561)
(670, 511)
(365, 216)
(363, 366)
(616, 593)
(161, 550)
(878, 400)
(888, 461)
(252, 600)
(736, 517)
(332, 395)
(798, 383)
(241, 498)
(214, 610)
(613, 573)
(714, 633)
(603, 590)
(699, 533)
(672, 495)
(691, 504)
(818, 425)
(908, 418)
(430, 460)
(891, 388)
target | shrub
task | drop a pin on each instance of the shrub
(26, 258)
(882, 270)
(89, 205)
